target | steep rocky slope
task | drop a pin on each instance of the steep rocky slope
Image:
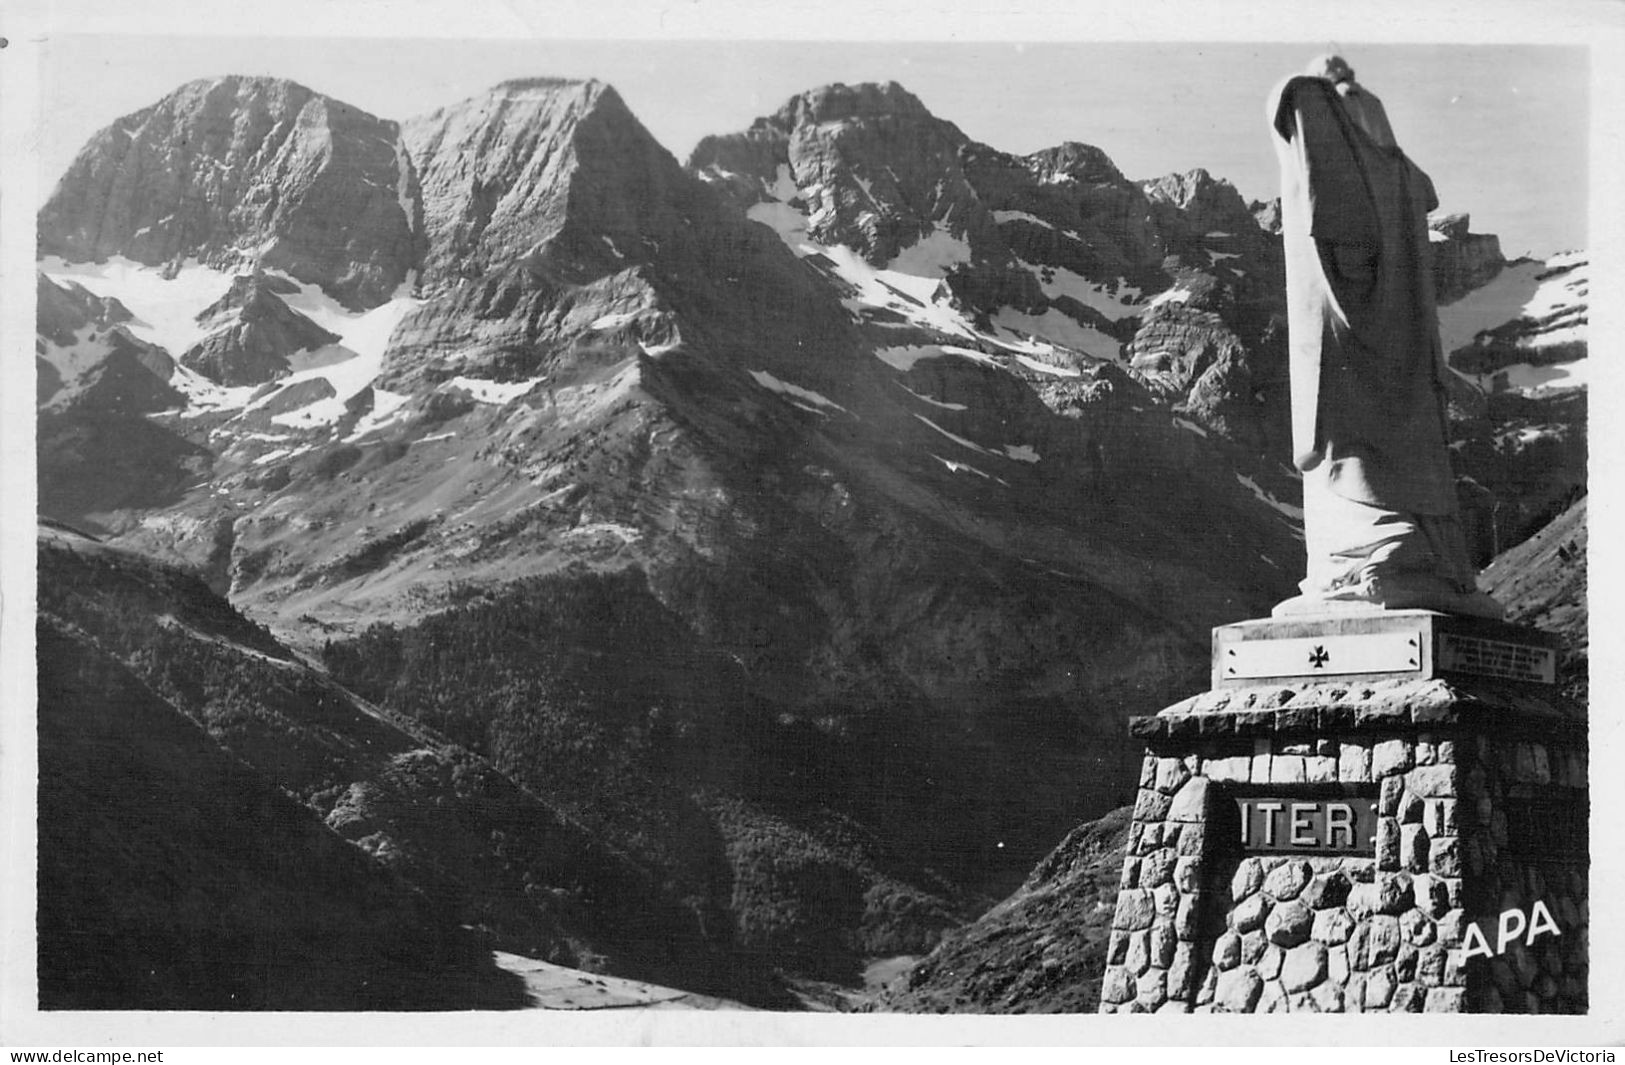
(1543, 582)
(172, 874)
(234, 720)
(172, 877)
(1042, 950)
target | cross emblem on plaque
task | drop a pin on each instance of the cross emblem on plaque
(1318, 657)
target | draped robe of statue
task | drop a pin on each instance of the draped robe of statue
(1382, 525)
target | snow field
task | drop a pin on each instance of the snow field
(166, 311)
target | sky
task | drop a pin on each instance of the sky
(1502, 129)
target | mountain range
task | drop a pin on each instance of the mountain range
(723, 573)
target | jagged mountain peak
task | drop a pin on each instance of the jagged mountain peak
(254, 335)
(247, 291)
(66, 307)
(1184, 189)
(877, 171)
(1075, 161)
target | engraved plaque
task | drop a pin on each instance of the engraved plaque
(1329, 655)
(1497, 658)
(1280, 824)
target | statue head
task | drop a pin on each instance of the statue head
(1331, 67)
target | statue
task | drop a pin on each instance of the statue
(1382, 526)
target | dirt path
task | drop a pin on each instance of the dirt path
(554, 987)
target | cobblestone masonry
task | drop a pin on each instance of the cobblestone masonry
(1200, 927)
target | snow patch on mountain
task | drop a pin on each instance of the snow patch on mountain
(918, 299)
(367, 333)
(1564, 283)
(1014, 452)
(1516, 291)
(280, 453)
(89, 347)
(1525, 377)
(961, 441)
(928, 399)
(1059, 328)
(203, 396)
(1176, 294)
(1002, 217)
(165, 309)
(784, 184)
(1545, 304)
(911, 285)
(819, 404)
(1057, 281)
(973, 354)
(904, 356)
(495, 392)
(386, 410)
(789, 223)
(932, 256)
(1523, 290)
(960, 467)
(1044, 367)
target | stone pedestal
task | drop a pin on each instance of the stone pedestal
(1343, 842)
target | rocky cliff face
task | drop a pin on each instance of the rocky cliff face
(497, 173)
(877, 171)
(1522, 445)
(557, 229)
(1462, 260)
(1056, 250)
(228, 168)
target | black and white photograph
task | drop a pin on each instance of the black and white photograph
(544, 524)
